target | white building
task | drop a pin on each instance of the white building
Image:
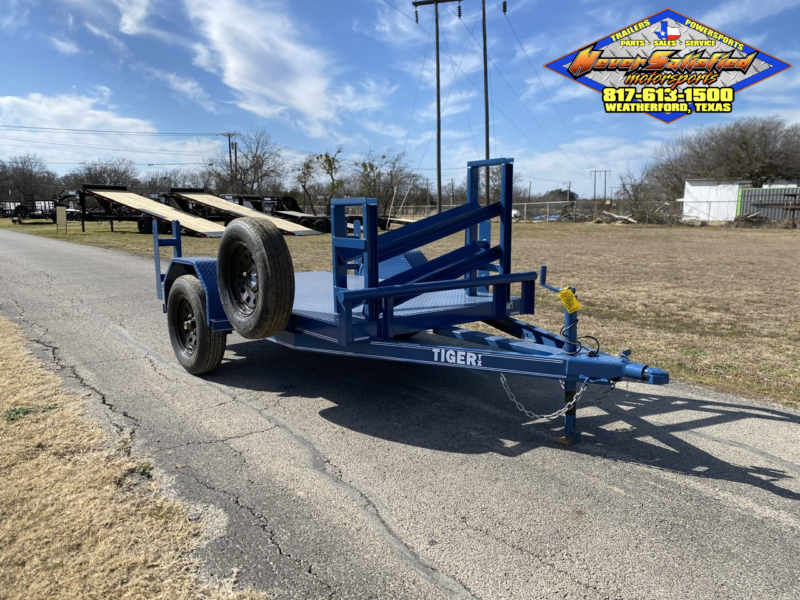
(711, 200)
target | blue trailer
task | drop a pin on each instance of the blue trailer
(381, 292)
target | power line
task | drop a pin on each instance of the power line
(419, 84)
(101, 131)
(98, 147)
(536, 72)
(526, 136)
(525, 106)
(504, 115)
(455, 78)
(36, 129)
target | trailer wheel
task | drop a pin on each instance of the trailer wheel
(144, 225)
(164, 227)
(306, 223)
(255, 276)
(196, 346)
(323, 226)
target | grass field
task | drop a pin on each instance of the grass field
(712, 305)
(79, 517)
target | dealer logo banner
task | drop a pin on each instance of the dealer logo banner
(668, 66)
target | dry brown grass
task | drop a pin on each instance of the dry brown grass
(713, 305)
(79, 518)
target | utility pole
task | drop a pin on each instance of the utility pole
(230, 135)
(605, 173)
(236, 166)
(436, 3)
(569, 199)
(486, 96)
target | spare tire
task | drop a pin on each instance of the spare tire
(255, 277)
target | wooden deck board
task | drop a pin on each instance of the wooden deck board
(242, 211)
(161, 211)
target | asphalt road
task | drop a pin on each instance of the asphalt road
(336, 477)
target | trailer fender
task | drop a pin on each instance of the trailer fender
(205, 269)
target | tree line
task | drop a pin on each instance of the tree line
(260, 167)
(761, 150)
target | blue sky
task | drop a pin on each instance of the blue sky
(319, 73)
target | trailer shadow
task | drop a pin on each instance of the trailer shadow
(454, 410)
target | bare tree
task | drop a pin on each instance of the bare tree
(260, 168)
(305, 177)
(162, 180)
(110, 171)
(643, 197)
(27, 174)
(758, 149)
(331, 164)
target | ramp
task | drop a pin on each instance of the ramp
(160, 211)
(242, 211)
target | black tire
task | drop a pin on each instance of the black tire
(164, 227)
(306, 223)
(322, 225)
(196, 346)
(144, 225)
(255, 277)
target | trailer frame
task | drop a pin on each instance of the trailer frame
(382, 289)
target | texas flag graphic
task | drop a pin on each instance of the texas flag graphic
(667, 32)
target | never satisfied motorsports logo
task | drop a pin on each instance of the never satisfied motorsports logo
(667, 66)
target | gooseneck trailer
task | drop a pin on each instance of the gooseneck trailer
(383, 290)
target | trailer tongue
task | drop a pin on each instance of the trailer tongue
(381, 292)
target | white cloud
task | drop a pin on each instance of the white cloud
(65, 46)
(745, 11)
(388, 129)
(90, 112)
(185, 86)
(114, 42)
(132, 15)
(258, 51)
(393, 27)
(371, 96)
(14, 15)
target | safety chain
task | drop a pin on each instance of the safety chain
(601, 397)
(562, 411)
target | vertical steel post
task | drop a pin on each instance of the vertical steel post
(486, 97)
(571, 435)
(438, 117)
(82, 200)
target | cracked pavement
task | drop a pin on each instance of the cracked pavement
(332, 477)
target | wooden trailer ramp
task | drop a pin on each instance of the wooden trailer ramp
(162, 212)
(234, 209)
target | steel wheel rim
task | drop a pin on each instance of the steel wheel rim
(185, 326)
(243, 278)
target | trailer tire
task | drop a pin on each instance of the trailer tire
(255, 276)
(198, 348)
(323, 226)
(144, 225)
(164, 227)
(306, 223)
